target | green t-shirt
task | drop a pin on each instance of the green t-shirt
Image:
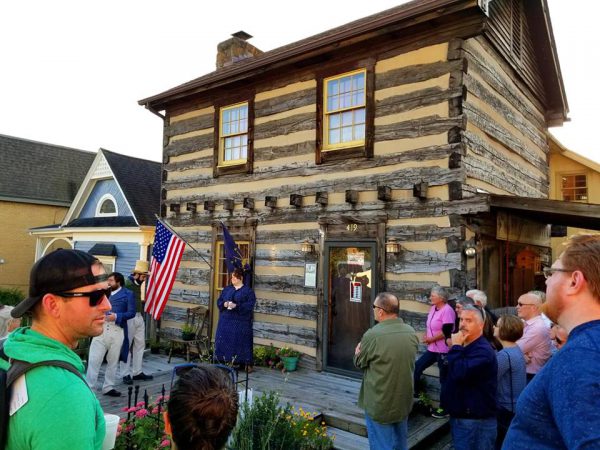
(57, 410)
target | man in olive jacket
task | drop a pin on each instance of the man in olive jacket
(386, 354)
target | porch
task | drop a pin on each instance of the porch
(333, 396)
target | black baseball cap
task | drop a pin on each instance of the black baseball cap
(59, 271)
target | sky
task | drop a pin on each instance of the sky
(72, 71)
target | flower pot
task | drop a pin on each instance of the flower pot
(289, 363)
(188, 336)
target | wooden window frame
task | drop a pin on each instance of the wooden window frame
(239, 166)
(573, 189)
(351, 150)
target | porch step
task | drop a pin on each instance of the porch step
(351, 431)
(344, 440)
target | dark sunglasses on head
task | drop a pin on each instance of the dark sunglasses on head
(96, 297)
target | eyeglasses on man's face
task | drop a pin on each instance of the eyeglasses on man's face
(95, 297)
(379, 307)
(549, 271)
(524, 304)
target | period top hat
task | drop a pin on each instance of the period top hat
(141, 267)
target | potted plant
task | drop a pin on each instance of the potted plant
(289, 357)
(187, 333)
(154, 347)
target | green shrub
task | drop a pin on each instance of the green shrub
(265, 425)
(10, 296)
(266, 356)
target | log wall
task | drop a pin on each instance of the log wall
(424, 131)
(505, 136)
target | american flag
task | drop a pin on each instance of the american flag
(166, 256)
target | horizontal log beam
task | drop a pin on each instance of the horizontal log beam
(415, 73)
(203, 122)
(286, 309)
(286, 333)
(417, 99)
(410, 261)
(425, 126)
(292, 284)
(283, 127)
(286, 102)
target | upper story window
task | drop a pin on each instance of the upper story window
(106, 206)
(233, 135)
(344, 110)
(574, 188)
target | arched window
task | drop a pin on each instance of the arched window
(107, 206)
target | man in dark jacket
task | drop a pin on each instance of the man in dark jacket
(470, 395)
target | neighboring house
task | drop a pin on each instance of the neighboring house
(573, 178)
(113, 214)
(38, 182)
(391, 153)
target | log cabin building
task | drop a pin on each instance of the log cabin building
(390, 153)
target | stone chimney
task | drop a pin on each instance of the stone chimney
(235, 49)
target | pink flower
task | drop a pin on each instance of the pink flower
(129, 427)
(125, 409)
(142, 403)
(132, 409)
(165, 443)
(155, 410)
(141, 413)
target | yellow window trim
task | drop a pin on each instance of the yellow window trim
(222, 136)
(326, 112)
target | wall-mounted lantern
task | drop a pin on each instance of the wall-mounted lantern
(392, 247)
(308, 246)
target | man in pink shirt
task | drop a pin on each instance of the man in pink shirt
(535, 343)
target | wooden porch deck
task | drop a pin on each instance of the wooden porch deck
(333, 396)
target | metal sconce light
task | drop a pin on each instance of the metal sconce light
(308, 246)
(392, 247)
(470, 252)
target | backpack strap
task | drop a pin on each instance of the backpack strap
(18, 368)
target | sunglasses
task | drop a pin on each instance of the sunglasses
(96, 297)
(548, 271)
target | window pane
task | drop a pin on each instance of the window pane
(334, 121)
(244, 152)
(226, 128)
(226, 116)
(227, 156)
(334, 136)
(359, 115)
(244, 112)
(244, 139)
(347, 134)
(333, 87)
(359, 132)
(243, 125)
(347, 118)
(235, 154)
(235, 114)
(108, 207)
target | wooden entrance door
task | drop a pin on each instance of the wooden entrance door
(349, 297)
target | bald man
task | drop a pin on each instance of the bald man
(535, 344)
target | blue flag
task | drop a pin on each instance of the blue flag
(233, 256)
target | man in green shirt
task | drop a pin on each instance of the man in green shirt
(386, 354)
(51, 408)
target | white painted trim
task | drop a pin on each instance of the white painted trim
(52, 241)
(101, 202)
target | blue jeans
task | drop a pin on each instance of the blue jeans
(473, 434)
(391, 436)
(428, 359)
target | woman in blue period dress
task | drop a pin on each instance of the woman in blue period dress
(233, 341)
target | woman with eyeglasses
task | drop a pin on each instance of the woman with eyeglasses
(234, 338)
(511, 372)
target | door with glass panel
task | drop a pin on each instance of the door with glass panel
(349, 293)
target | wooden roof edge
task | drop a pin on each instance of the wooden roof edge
(407, 11)
(558, 147)
(556, 62)
(558, 207)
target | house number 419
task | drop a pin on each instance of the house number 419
(352, 227)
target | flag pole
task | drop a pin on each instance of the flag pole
(170, 228)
